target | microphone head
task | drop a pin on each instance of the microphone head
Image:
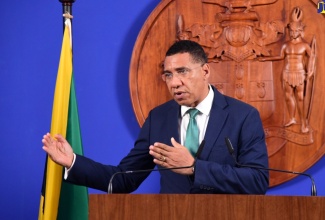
(199, 151)
(229, 146)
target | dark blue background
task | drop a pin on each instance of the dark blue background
(104, 33)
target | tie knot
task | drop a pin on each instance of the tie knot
(193, 112)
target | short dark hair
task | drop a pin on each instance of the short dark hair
(186, 46)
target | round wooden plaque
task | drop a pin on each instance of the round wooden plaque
(243, 40)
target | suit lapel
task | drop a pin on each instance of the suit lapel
(216, 122)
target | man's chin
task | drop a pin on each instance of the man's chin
(183, 102)
(180, 101)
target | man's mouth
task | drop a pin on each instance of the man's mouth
(179, 95)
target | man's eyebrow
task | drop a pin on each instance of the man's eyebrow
(176, 69)
(181, 68)
(166, 71)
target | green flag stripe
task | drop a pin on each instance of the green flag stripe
(73, 203)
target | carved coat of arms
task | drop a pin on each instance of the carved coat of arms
(262, 52)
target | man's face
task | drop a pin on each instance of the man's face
(186, 80)
(295, 31)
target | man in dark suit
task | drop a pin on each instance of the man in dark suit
(163, 139)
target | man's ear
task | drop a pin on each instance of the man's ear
(206, 69)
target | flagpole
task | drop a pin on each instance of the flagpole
(73, 203)
(66, 8)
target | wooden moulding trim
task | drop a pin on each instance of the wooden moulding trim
(139, 44)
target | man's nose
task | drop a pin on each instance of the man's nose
(175, 81)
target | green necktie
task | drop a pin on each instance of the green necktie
(192, 132)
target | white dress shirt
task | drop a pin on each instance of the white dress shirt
(202, 118)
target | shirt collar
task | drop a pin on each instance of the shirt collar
(204, 107)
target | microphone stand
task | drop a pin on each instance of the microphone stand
(197, 155)
(231, 151)
(110, 185)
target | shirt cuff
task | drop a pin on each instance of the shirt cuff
(66, 170)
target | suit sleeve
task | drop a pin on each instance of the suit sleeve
(92, 174)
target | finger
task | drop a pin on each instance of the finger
(161, 163)
(60, 138)
(162, 159)
(155, 154)
(160, 147)
(157, 148)
(175, 143)
(166, 150)
(152, 151)
(47, 139)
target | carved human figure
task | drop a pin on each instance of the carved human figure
(296, 70)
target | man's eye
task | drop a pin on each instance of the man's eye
(168, 75)
(182, 71)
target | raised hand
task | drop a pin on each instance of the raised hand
(58, 149)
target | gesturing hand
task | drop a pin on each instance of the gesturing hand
(58, 149)
(169, 157)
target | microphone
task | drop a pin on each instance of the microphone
(199, 151)
(231, 151)
(110, 184)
